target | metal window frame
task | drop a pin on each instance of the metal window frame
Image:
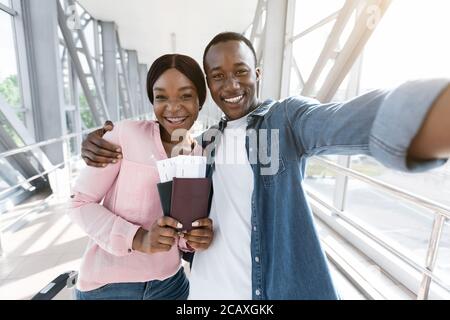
(8, 10)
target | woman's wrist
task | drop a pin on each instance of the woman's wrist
(137, 240)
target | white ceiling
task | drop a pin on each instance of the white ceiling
(147, 25)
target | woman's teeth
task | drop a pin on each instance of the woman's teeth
(234, 100)
(176, 120)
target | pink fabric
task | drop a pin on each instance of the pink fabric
(130, 200)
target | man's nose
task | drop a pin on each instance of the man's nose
(232, 83)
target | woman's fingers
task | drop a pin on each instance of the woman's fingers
(204, 239)
(169, 222)
(170, 241)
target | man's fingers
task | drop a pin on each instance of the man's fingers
(108, 126)
(206, 223)
(97, 159)
(169, 222)
(103, 144)
(91, 163)
(100, 152)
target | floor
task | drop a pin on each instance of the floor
(45, 244)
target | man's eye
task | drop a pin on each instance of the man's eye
(186, 96)
(160, 98)
(241, 72)
(217, 76)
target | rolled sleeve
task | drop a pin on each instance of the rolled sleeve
(398, 121)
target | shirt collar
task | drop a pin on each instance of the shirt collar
(260, 111)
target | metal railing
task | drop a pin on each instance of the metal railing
(441, 212)
(68, 157)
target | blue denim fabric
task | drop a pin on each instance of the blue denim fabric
(288, 261)
(173, 288)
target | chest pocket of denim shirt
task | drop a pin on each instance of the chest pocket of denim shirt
(271, 172)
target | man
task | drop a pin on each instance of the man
(266, 245)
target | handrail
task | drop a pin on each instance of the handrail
(377, 239)
(440, 211)
(41, 144)
(54, 168)
(52, 141)
(388, 188)
(44, 143)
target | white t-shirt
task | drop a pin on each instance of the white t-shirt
(224, 270)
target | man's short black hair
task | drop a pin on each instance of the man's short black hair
(229, 36)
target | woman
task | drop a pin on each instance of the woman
(134, 252)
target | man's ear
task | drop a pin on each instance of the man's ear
(258, 73)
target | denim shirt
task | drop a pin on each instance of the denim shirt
(287, 259)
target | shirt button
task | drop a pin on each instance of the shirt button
(258, 292)
(257, 259)
(254, 228)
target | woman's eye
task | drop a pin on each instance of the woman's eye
(160, 98)
(217, 76)
(186, 96)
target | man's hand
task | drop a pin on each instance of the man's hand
(97, 152)
(200, 238)
(433, 139)
(160, 238)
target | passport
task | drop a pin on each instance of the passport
(190, 200)
(185, 199)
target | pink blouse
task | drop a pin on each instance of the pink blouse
(130, 200)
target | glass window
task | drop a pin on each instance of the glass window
(310, 12)
(442, 268)
(402, 224)
(6, 3)
(408, 43)
(321, 179)
(9, 79)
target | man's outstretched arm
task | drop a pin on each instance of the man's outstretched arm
(433, 138)
(96, 151)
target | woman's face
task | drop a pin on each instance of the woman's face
(176, 102)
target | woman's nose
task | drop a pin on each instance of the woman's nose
(173, 105)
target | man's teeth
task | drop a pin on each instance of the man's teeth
(234, 100)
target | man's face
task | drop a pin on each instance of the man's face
(232, 78)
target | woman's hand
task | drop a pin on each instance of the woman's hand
(160, 238)
(201, 236)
